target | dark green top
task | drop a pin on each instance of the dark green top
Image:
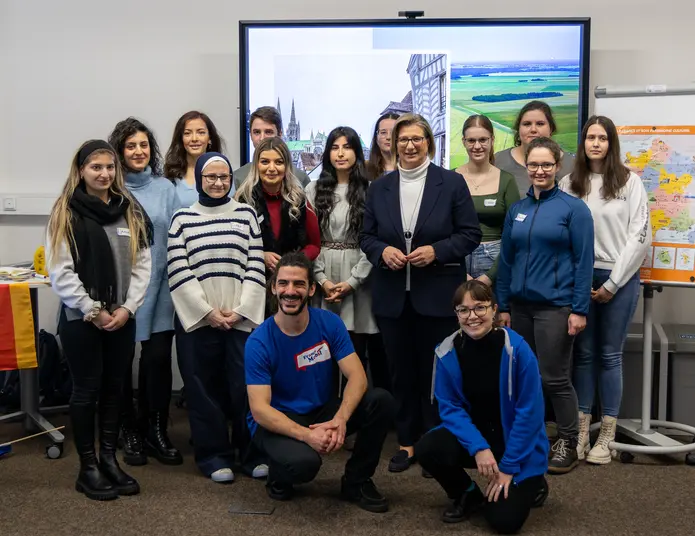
(492, 209)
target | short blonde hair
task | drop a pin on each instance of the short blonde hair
(407, 120)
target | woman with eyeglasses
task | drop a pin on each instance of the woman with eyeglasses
(288, 223)
(493, 192)
(194, 135)
(544, 285)
(419, 226)
(380, 153)
(619, 205)
(217, 282)
(488, 388)
(535, 120)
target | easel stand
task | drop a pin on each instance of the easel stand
(29, 398)
(650, 441)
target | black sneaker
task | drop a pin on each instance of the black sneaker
(542, 494)
(464, 506)
(401, 461)
(279, 491)
(564, 457)
(365, 495)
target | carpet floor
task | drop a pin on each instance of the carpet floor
(37, 497)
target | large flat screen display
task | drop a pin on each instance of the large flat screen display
(322, 74)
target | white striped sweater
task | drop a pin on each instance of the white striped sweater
(215, 261)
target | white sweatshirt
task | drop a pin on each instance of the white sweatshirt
(622, 228)
(215, 261)
(412, 188)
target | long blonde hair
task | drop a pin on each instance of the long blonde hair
(291, 189)
(60, 229)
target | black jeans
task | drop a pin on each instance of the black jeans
(98, 361)
(378, 363)
(410, 341)
(154, 376)
(440, 453)
(212, 367)
(545, 329)
(294, 462)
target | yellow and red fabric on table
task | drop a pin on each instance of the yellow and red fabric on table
(17, 337)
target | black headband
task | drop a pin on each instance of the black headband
(89, 148)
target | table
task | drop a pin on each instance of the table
(30, 412)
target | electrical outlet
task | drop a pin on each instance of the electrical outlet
(9, 203)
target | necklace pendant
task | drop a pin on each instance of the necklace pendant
(408, 235)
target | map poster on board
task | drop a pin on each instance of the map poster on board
(664, 157)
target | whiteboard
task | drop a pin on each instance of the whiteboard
(671, 259)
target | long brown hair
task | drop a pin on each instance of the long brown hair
(176, 161)
(615, 174)
(60, 230)
(376, 164)
(481, 121)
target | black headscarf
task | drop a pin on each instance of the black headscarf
(203, 198)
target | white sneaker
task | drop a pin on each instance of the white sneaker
(222, 476)
(601, 454)
(583, 445)
(260, 471)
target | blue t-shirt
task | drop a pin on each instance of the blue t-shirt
(299, 369)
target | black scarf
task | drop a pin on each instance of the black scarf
(292, 232)
(95, 263)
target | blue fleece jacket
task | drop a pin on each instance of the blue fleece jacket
(547, 254)
(521, 403)
(157, 196)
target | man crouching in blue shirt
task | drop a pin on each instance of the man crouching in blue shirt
(296, 416)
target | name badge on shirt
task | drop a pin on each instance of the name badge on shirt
(520, 217)
(238, 227)
(490, 202)
(123, 231)
(312, 356)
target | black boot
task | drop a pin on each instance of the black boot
(133, 451)
(542, 494)
(90, 480)
(157, 441)
(108, 437)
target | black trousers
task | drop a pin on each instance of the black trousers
(378, 363)
(98, 361)
(410, 341)
(154, 376)
(211, 362)
(440, 453)
(294, 462)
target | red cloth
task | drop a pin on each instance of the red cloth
(313, 234)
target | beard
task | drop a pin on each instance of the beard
(302, 304)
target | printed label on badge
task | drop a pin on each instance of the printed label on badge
(490, 202)
(238, 227)
(520, 217)
(123, 231)
(312, 356)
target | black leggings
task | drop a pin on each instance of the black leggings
(440, 453)
(154, 376)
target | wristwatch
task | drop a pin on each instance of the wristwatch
(97, 306)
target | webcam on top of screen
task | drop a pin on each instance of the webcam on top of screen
(411, 14)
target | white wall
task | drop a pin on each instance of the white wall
(71, 69)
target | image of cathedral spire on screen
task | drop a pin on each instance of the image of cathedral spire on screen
(418, 83)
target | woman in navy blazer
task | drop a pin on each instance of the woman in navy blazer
(419, 226)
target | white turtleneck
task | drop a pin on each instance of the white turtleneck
(412, 187)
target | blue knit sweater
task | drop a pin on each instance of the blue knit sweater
(158, 197)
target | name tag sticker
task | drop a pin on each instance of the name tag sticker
(312, 356)
(238, 227)
(490, 202)
(123, 231)
(520, 217)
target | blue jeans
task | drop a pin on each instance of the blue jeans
(601, 343)
(482, 258)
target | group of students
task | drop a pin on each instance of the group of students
(285, 294)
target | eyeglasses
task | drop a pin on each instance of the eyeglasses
(478, 310)
(417, 141)
(470, 142)
(545, 166)
(212, 178)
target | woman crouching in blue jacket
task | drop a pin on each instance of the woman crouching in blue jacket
(488, 387)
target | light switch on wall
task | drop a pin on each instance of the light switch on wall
(9, 203)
